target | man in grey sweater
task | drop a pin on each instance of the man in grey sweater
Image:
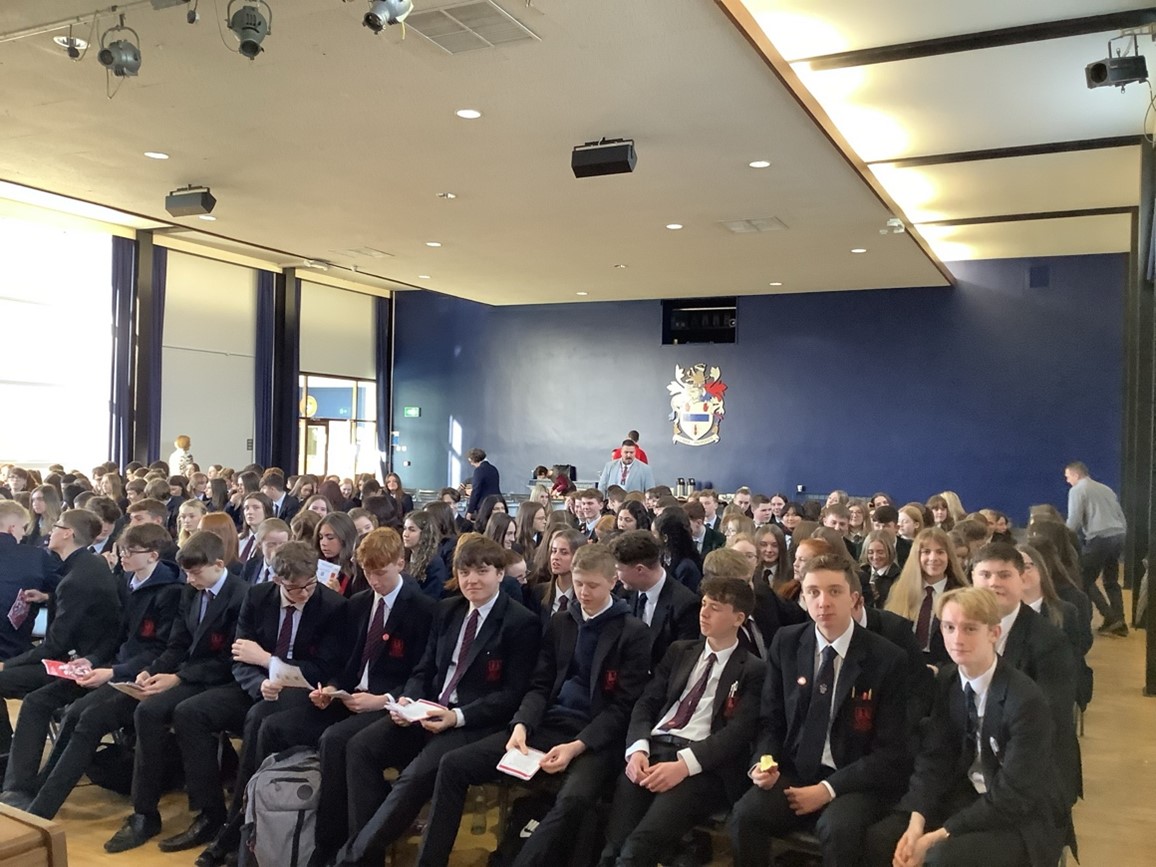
(1094, 512)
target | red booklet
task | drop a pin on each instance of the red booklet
(68, 670)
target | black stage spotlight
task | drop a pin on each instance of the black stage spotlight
(120, 56)
(190, 201)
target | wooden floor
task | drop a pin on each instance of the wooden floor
(1114, 823)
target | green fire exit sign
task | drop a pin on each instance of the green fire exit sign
(411, 411)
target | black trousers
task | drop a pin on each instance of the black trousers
(1003, 848)
(330, 731)
(475, 764)
(645, 828)
(16, 683)
(1103, 554)
(761, 815)
(380, 813)
(197, 723)
(151, 720)
(32, 725)
(87, 720)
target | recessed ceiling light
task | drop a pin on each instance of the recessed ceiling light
(858, 249)
(619, 266)
(156, 155)
(433, 243)
(468, 113)
(775, 284)
(447, 195)
(423, 276)
(581, 293)
(760, 164)
(207, 217)
(74, 45)
(674, 226)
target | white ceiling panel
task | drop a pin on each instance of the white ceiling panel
(807, 28)
(1102, 178)
(1060, 237)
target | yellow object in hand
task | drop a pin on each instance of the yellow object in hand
(767, 763)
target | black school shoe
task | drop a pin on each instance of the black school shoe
(203, 830)
(137, 830)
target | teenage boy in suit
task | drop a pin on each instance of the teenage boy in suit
(152, 601)
(1031, 644)
(285, 505)
(292, 621)
(22, 567)
(477, 666)
(690, 734)
(834, 719)
(391, 624)
(271, 536)
(984, 792)
(594, 664)
(196, 659)
(655, 598)
(86, 621)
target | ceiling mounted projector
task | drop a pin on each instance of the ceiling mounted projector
(190, 202)
(1123, 65)
(606, 157)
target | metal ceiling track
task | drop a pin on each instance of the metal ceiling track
(984, 39)
(1011, 151)
(85, 18)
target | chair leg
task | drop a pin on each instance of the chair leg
(478, 826)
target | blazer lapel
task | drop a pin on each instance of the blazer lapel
(449, 638)
(727, 679)
(805, 672)
(990, 748)
(1017, 639)
(488, 628)
(212, 611)
(681, 675)
(567, 641)
(849, 671)
(662, 604)
(607, 638)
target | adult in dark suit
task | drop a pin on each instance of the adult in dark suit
(197, 658)
(86, 623)
(291, 622)
(983, 791)
(594, 663)
(485, 483)
(152, 599)
(477, 665)
(1031, 644)
(285, 505)
(391, 623)
(834, 717)
(271, 536)
(654, 597)
(22, 567)
(690, 734)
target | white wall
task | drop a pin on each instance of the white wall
(337, 332)
(209, 347)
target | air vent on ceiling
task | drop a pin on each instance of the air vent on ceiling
(469, 27)
(355, 252)
(756, 224)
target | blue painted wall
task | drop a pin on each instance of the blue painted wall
(986, 389)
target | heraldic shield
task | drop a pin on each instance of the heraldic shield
(696, 404)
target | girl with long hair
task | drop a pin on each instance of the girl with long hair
(679, 554)
(531, 525)
(774, 560)
(423, 564)
(47, 505)
(931, 569)
(336, 543)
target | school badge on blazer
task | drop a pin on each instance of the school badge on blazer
(148, 628)
(493, 671)
(396, 647)
(216, 641)
(696, 404)
(862, 713)
(610, 680)
(732, 701)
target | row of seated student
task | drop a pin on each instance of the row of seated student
(805, 707)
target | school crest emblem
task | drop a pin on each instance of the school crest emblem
(696, 403)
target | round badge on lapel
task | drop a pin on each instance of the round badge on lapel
(802, 681)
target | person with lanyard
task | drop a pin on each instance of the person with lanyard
(152, 592)
(655, 598)
(391, 623)
(627, 471)
(594, 663)
(476, 668)
(197, 658)
(984, 792)
(690, 734)
(833, 752)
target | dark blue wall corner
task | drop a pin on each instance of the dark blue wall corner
(986, 389)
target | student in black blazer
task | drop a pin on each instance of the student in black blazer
(285, 505)
(87, 615)
(391, 624)
(669, 609)
(681, 768)
(271, 536)
(499, 639)
(557, 594)
(983, 791)
(880, 567)
(835, 723)
(152, 597)
(293, 621)
(22, 567)
(594, 663)
(197, 658)
(1031, 644)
